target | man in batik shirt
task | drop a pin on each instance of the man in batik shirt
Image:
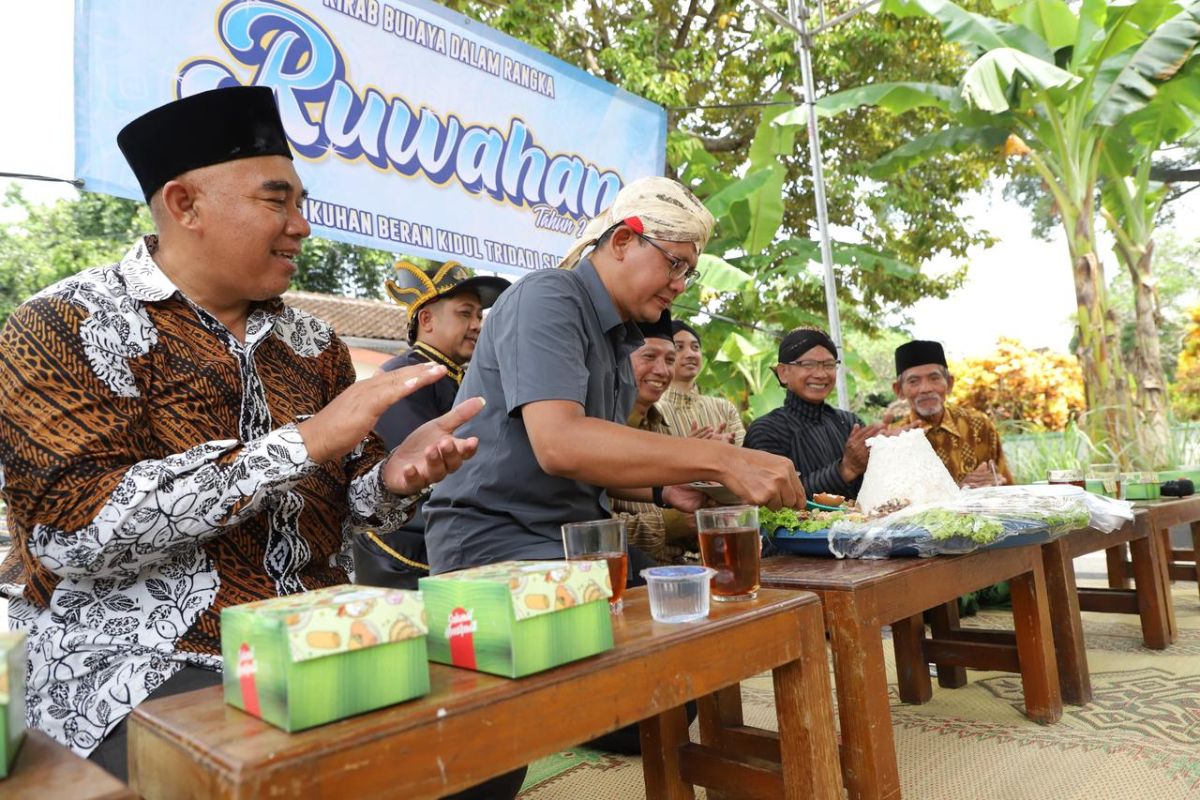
(965, 440)
(692, 413)
(175, 440)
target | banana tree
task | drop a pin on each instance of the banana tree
(1131, 201)
(1051, 83)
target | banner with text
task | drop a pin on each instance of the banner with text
(415, 129)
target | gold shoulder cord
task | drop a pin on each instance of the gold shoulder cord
(375, 538)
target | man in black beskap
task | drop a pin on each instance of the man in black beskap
(827, 444)
(445, 314)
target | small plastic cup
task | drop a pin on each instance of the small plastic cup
(678, 593)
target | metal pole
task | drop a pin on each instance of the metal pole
(798, 13)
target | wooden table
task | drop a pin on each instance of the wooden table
(1149, 598)
(473, 726)
(45, 769)
(860, 596)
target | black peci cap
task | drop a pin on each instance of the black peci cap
(918, 353)
(201, 130)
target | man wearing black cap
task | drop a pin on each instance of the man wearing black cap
(827, 445)
(175, 440)
(445, 313)
(692, 413)
(965, 439)
(663, 534)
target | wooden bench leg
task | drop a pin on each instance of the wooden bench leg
(1162, 539)
(804, 706)
(1118, 567)
(719, 713)
(1152, 599)
(662, 736)
(944, 624)
(868, 746)
(1035, 646)
(912, 671)
(1062, 596)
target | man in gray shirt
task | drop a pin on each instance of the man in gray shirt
(553, 367)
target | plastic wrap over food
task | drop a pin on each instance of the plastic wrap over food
(990, 516)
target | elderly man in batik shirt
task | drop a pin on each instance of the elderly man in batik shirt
(175, 440)
(965, 439)
(692, 413)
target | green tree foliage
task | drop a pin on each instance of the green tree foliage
(709, 63)
(51, 242)
(54, 241)
(343, 269)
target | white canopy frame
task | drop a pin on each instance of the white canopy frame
(798, 20)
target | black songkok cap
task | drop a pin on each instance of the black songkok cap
(801, 340)
(661, 328)
(679, 325)
(918, 353)
(204, 129)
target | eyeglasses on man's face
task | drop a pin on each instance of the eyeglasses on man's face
(676, 267)
(809, 365)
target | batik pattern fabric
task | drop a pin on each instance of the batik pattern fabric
(683, 409)
(154, 475)
(964, 439)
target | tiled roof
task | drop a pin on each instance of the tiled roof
(352, 317)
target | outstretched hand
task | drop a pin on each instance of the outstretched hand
(337, 429)
(431, 452)
(763, 479)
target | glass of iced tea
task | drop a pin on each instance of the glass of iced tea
(1074, 477)
(730, 544)
(600, 540)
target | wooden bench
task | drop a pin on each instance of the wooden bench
(860, 596)
(45, 769)
(473, 726)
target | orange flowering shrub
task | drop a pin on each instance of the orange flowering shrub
(1185, 392)
(1040, 388)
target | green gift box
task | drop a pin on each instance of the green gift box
(311, 658)
(12, 696)
(519, 617)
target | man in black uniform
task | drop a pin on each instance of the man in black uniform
(445, 313)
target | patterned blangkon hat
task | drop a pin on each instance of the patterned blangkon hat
(413, 287)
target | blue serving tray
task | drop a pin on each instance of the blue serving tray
(906, 544)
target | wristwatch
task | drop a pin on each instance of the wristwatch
(657, 492)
